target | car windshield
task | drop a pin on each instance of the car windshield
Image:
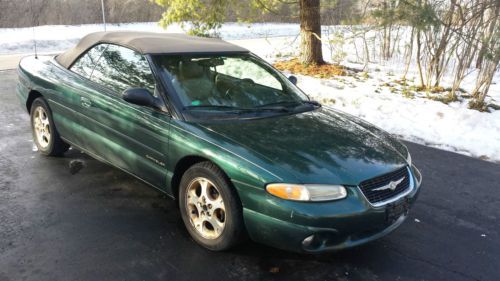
(229, 83)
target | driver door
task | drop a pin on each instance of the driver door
(132, 137)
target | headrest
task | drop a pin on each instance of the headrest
(189, 70)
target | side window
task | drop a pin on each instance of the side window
(243, 69)
(85, 64)
(120, 68)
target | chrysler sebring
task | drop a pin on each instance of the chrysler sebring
(240, 147)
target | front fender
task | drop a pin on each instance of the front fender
(239, 165)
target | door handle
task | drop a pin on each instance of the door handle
(85, 102)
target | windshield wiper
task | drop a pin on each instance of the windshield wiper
(282, 103)
(289, 104)
(271, 108)
(214, 106)
(312, 102)
(228, 108)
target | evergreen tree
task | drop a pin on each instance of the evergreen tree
(206, 16)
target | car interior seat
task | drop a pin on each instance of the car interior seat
(195, 81)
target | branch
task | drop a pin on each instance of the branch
(263, 6)
(288, 2)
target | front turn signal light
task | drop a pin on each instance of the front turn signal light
(307, 192)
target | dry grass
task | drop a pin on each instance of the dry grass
(437, 89)
(319, 71)
(433, 89)
(444, 97)
(478, 105)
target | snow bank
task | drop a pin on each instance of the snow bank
(452, 127)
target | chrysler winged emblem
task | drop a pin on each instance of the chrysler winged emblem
(392, 185)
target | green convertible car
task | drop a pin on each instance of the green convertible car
(243, 150)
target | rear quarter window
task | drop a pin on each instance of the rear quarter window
(120, 68)
(85, 64)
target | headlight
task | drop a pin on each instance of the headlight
(408, 159)
(307, 192)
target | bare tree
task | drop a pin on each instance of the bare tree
(490, 58)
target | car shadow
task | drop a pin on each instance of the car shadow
(170, 211)
(162, 214)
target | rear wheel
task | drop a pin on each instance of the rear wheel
(45, 135)
(210, 207)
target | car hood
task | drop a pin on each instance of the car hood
(320, 146)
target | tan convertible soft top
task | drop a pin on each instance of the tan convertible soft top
(150, 43)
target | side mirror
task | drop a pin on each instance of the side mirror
(293, 79)
(140, 96)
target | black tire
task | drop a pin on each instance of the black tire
(233, 231)
(54, 145)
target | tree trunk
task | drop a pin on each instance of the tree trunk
(489, 65)
(409, 54)
(483, 82)
(310, 32)
(490, 32)
(419, 65)
(480, 57)
(440, 53)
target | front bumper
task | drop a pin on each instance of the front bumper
(321, 226)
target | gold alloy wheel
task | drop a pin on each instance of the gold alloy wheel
(205, 208)
(41, 125)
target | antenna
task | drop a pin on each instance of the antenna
(33, 27)
(103, 15)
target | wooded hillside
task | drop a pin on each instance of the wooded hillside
(18, 13)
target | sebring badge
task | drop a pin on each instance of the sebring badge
(392, 185)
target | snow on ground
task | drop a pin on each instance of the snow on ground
(412, 117)
(451, 127)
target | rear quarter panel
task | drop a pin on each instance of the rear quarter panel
(44, 76)
(23, 87)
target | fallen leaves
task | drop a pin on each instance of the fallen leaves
(319, 71)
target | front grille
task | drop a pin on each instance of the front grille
(375, 196)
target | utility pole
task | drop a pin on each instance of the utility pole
(103, 15)
(33, 27)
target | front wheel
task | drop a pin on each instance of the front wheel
(210, 207)
(45, 135)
